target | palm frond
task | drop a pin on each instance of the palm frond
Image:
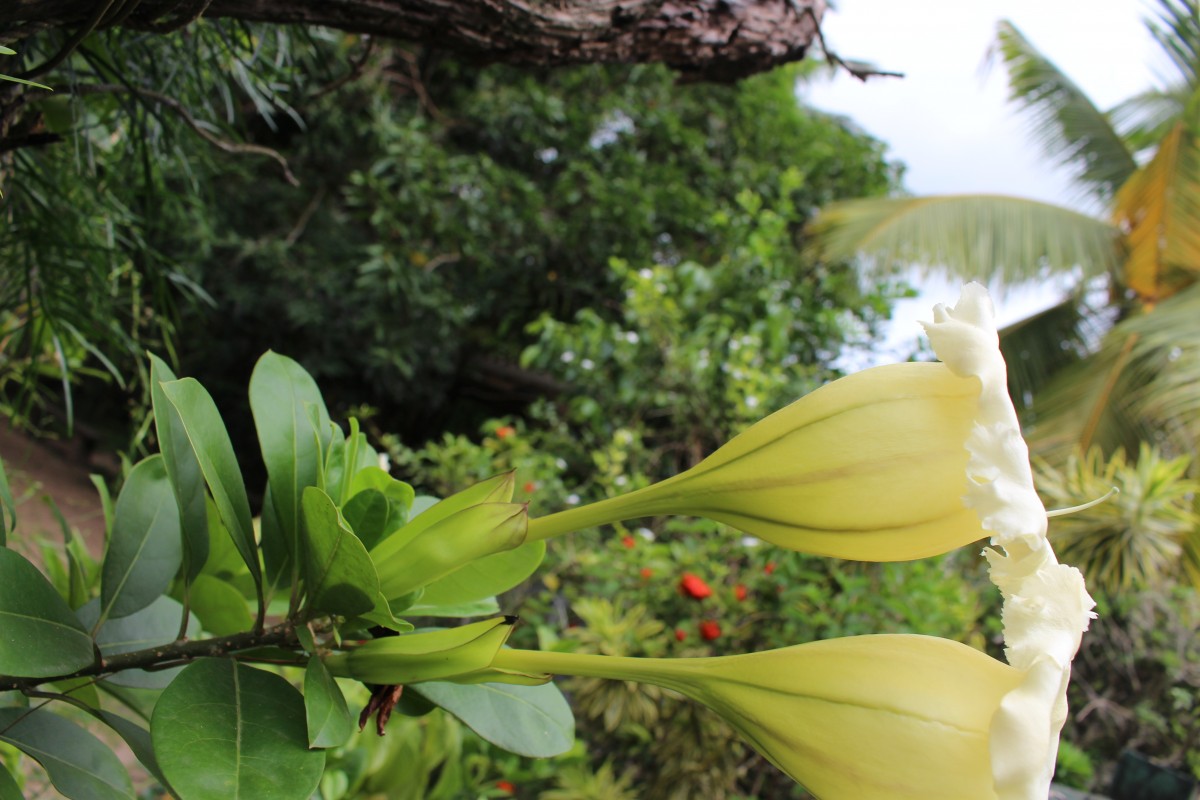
(1158, 208)
(1042, 345)
(1176, 27)
(974, 237)
(1144, 119)
(1165, 370)
(1139, 386)
(1066, 124)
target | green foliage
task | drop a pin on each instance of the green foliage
(1138, 676)
(577, 782)
(699, 351)
(1074, 766)
(442, 208)
(1142, 536)
(119, 632)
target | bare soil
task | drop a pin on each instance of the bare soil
(41, 471)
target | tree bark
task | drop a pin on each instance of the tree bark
(721, 40)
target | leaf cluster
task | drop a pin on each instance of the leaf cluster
(158, 639)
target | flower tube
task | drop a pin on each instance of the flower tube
(876, 466)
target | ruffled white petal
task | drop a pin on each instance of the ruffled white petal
(1046, 607)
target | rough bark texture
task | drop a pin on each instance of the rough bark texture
(703, 39)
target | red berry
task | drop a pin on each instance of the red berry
(629, 542)
(529, 487)
(680, 634)
(504, 431)
(709, 630)
(646, 573)
(740, 592)
(694, 586)
(506, 786)
(769, 568)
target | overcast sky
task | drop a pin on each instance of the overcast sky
(947, 119)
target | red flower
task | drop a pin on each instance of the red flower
(646, 573)
(709, 630)
(680, 634)
(740, 592)
(529, 487)
(628, 541)
(769, 568)
(505, 431)
(694, 586)
(505, 786)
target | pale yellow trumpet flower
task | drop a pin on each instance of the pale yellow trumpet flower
(857, 718)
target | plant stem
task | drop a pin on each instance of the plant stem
(657, 671)
(179, 651)
(640, 503)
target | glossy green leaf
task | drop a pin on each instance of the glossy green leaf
(154, 626)
(399, 496)
(9, 790)
(8, 507)
(528, 720)
(477, 608)
(293, 428)
(277, 550)
(367, 513)
(221, 608)
(329, 720)
(39, 634)
(138, 739)
(340, 575)
(205, 431)
(183, 470)
(80, 766)
(226, 730)
(106, 503)
(486, 577)
(146, 548)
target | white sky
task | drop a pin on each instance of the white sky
(948, 120)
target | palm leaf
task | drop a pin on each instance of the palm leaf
(1177, 30)
(973, 237)
(1042, 345)
(1144, 119)
(1139, 386)
(1158, 208)
(1067, 125)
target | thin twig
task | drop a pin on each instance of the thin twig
(236, 148)
(855, 68)
(355, 71)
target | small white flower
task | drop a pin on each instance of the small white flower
(572, 499)
(567, 357)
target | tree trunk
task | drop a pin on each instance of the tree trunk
(721, 40)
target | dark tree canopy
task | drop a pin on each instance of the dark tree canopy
(709, 39)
